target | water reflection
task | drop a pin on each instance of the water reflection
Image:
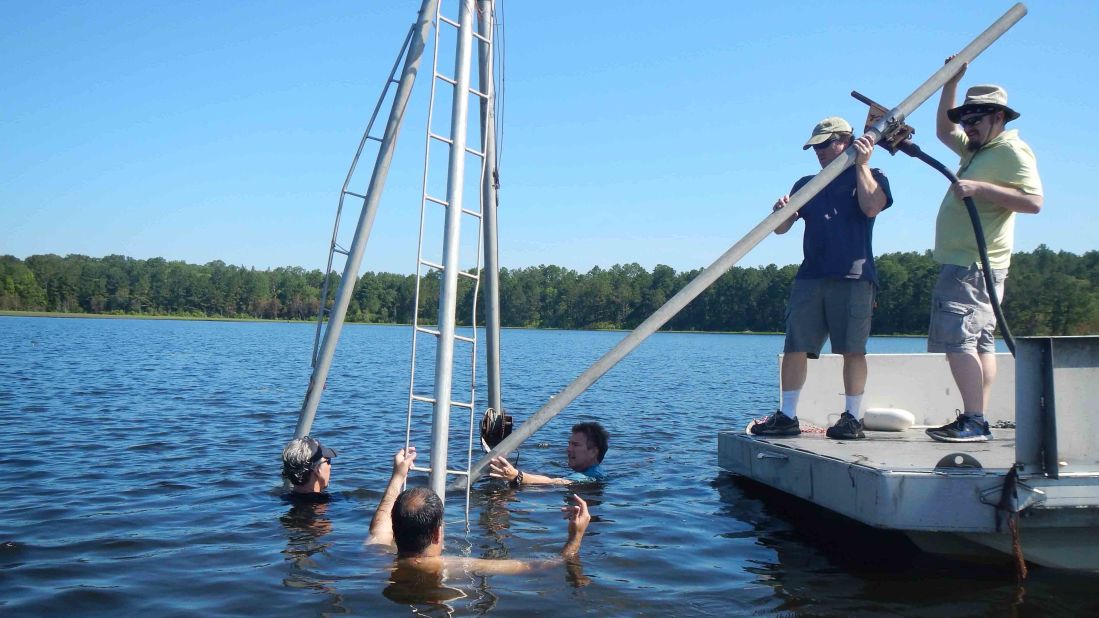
(495, 518)
(574, 573)
(305, 523)
(424, 590)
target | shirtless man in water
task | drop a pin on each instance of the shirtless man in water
(413, 520)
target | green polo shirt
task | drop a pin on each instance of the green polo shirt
(1006, 161)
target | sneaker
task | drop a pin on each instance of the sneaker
(778, 424)
(965, 428)
(847, 428)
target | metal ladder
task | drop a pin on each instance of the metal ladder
(447, 271)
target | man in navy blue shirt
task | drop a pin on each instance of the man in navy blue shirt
(833, 293)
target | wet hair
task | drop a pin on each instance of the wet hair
(299, 458)
(416, 515)
(595, 434)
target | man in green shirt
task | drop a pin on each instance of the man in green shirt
(999, 172)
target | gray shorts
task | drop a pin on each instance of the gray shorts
(836, 309)
(961, 312)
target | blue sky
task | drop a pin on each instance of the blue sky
(649, 132)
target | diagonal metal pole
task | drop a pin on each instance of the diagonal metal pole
(323, 360)
(741, 248)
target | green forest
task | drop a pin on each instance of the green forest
(1048, 293)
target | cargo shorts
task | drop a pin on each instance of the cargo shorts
(835, 309)
(962, 319)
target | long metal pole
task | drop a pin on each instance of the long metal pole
(745, 244)
(488, 208)
(366, 219)
(448, 292)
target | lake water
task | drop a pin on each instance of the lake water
(141, 476)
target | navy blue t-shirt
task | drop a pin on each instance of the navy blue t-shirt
(838, 236)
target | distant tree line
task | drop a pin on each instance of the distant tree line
(1048, 293)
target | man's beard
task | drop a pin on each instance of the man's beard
(973, 145)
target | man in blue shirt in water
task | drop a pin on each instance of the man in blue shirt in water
(587, 447)
(833, 292)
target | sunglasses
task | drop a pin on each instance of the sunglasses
(823, 145)
(972, 121)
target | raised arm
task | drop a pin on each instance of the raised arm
(579, 518)
(381, 527)
(945, 129)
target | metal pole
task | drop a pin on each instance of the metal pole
(738, 250)
(448, 292)
(489, 203)
(366, 219)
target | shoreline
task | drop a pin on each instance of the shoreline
(64, 315)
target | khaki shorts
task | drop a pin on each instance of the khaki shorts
(961, 313)
(835, 309)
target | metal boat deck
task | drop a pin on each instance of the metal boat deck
(900, 480)
(944, 495)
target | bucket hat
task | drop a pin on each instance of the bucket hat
(984, 98)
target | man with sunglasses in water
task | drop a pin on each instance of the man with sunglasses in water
(1000, 173)
(307, 464)
(833, 292)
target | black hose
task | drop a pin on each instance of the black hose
(913, 150)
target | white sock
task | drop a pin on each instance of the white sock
(854, 405)
(790, 403)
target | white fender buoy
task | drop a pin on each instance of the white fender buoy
(888, 419)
